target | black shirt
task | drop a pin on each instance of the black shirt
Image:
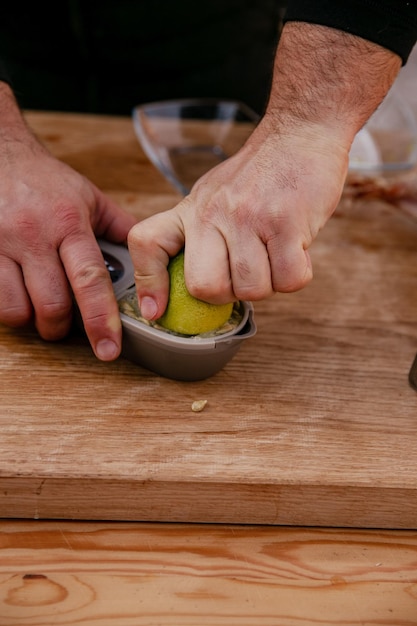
(109, 55)
(390, 23)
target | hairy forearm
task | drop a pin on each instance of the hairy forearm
(10, 113)
(15, 134)
(327, 77)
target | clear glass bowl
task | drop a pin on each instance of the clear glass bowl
(388, 141)
(186, 138)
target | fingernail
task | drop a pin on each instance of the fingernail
(148, 308)
(107, 350)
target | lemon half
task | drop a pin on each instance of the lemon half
(188, 315)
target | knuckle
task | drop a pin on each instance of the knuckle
(54, 310)
(219, 292)
(252, 292)
(101, 323)
(292, 284)
(90, 277)
(98, 320)
(16, 315)
(37, 231)
(69, 219)
(26, 226)
(146, 281)
(143, 233)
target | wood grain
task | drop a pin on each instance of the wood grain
(312, 423)
(132, 574)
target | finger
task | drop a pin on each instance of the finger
(93, 291)
(15, 307)
(49, 292)
(151, 244)
(230, 266)
(207, 272)
(291, 266)
(226, 260)
(251, 270)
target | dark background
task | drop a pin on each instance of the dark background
(106, 57)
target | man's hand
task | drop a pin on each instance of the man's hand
(49, 219)
(247, 224)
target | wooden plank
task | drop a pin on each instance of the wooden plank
(144, 574)
(313, 422)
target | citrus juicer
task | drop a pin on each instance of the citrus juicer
(169, 355)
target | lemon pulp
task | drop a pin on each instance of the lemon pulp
(188, 315)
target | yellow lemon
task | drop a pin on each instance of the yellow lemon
(188, 315)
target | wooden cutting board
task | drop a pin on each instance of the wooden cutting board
(312, 423)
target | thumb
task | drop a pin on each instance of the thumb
(151, 244)
(111, 221)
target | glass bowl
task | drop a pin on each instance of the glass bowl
(186, 138)
(388, 141)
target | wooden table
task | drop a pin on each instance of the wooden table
(98, 574)
(312, 424)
